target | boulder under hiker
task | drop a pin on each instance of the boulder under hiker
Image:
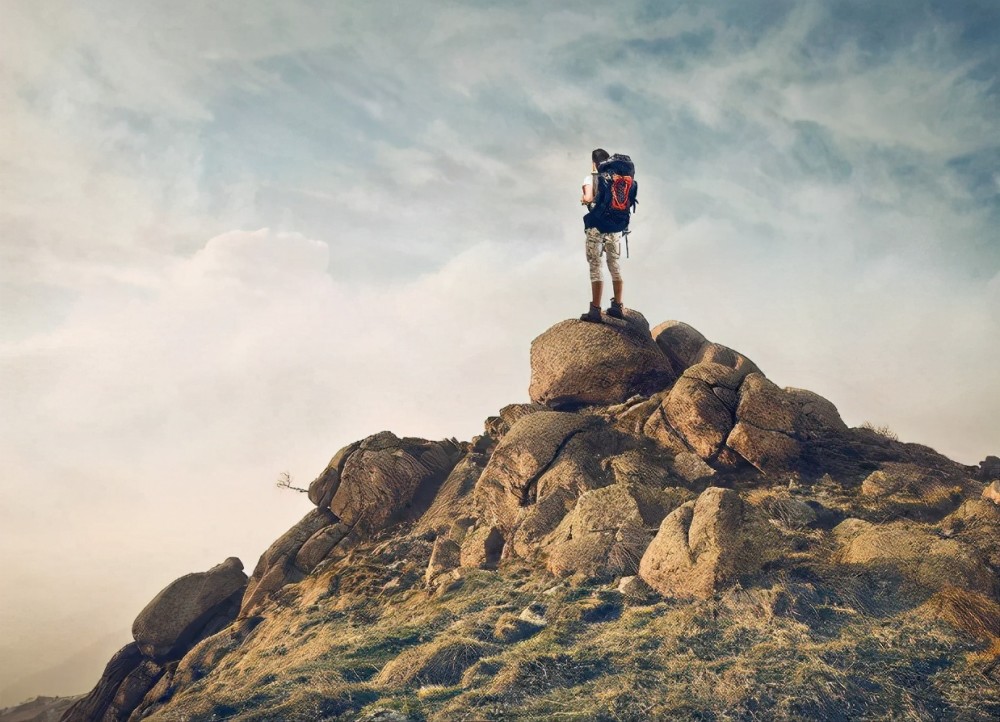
(609, 193)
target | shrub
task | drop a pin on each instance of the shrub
(882, 430)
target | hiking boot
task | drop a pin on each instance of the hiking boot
(593, 315)
(616, 309)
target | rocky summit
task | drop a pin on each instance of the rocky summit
(661, 533)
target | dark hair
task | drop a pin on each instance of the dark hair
(599, 156)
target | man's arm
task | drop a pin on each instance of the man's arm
(588, 194)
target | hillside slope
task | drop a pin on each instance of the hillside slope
(662, 533)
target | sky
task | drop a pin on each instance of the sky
(235, 237)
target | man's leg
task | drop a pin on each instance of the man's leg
(612, 249)
(593, 247)
(596, 290)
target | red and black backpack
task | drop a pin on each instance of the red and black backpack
(615, 194)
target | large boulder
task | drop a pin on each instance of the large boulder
(767, 424)
(679, 342)
(324, 486)
(797, 413)
(816, 416)
(189, 608)
(577, 363)
(607, 532)
(724, 409)
(765, 405)
(510, 480)
(701, 406)
(386, 480)
(539, 469)
(707, 543)
(769, 451)
(698, 415)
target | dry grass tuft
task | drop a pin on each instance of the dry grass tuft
(882, 430)
(535, 674)
(778, 504)
(510, 628)
(440, 662)
(975, 614)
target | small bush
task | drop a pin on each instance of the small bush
(882, 430)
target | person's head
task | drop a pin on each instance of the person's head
(599, 156)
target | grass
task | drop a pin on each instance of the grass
(804, 640)
(441, 662)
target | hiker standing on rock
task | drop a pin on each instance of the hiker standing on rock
(609, 194)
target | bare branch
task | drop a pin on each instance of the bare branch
(285, 482)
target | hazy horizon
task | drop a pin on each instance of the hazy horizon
(235, 240)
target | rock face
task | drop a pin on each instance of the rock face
(721, 409)
(539, 469)
(383, 479)
(992, 492)
(607, 532)
(454, 500)
(293, 555)
(181, 612)
(700, 407)
(577, 363)
(705, 544)
(679, 342)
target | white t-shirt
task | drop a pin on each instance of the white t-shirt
(588, 181)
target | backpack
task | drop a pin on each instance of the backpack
(614, 195)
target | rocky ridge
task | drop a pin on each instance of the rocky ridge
(654, 478)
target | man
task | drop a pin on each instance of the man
(603, 237)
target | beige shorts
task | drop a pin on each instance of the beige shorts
(610, 245)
